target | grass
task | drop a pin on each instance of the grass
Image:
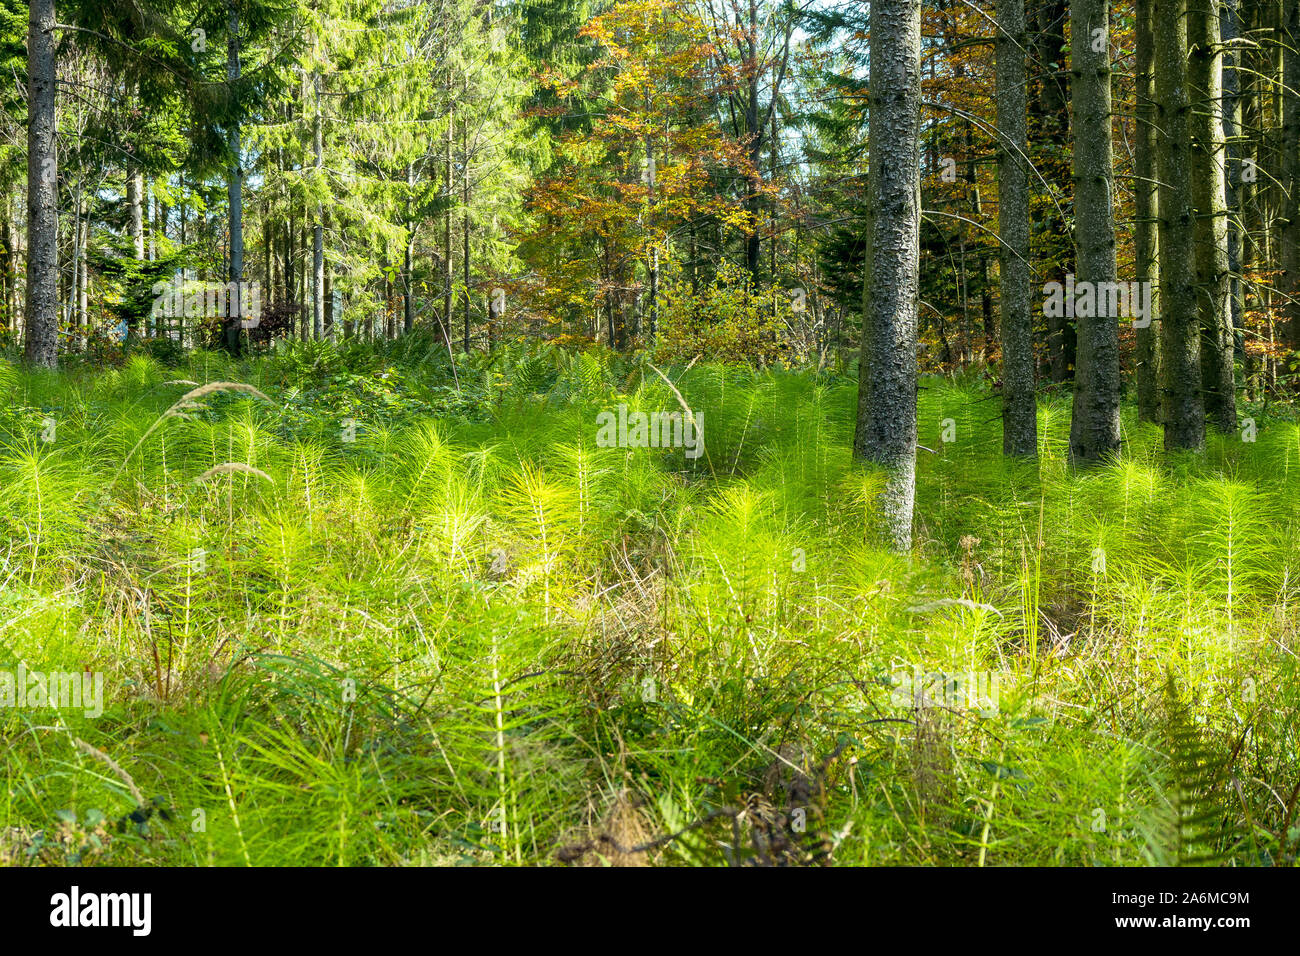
(458, 632)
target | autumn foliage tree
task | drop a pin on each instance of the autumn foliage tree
(651, 171)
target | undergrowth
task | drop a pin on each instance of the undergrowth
(384, 609)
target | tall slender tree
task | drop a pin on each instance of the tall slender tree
(1019, 411)
(1146, 215)
(1289, 94)
(1208, 162)
(318, 227)
(1230, 31)
(1094, 425)
(886, 419)
(42, 307)
(1049, 131)
(1182, 409)
(231, 325)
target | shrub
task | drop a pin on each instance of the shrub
(728, 321)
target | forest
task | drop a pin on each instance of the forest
(697, 433)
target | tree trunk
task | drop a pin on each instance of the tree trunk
(304, 291)
(69, 309)
(230, 323)
(153, 224)
(330, 317)
(752, 201)
(886, 419)
(1205, 80)
(465, 225)
(42, 308)
(134, 197)
(318, 230)
(83, 280)
(408, 315)
(388, 321)
(1094, 424)
(268, 243)
(1019, 412)
(1231, 31)
(446, 229)
(8, 265)
(1289, 240)
(135, 202)
(1181, 405)
(1050, 132)
(1146, 215)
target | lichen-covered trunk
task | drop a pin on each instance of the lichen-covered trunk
(1094, 424)
(42, 306)
(1207, 157)
(1019, 411)
(886, 421)
(1146, 216)
(1181, 406)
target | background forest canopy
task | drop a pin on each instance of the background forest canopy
(682, 172)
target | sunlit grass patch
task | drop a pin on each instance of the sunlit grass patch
(483, 638)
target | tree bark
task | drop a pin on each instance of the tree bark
(318, 230)
(465, 263)
(83, 279)
(331, 329)
(1230, 28)
(8, 265)
(230, 324)
(1019, 411)
(408, 314)
(1146, 215)
(752, 202)
(1289, 240)
(450, 193)
(135, 206)
(42, 307)
(1050, 132)
(1207, 159)
(886, 419)
(1181, 405)
(1094, 424)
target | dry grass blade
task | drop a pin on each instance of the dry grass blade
(184, 405)
(687, 409)
(113, 766)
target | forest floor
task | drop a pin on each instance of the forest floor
(377, 613)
